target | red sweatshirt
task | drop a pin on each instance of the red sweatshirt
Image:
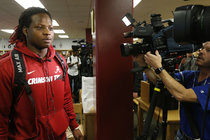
(53, 111)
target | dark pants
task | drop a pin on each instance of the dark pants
(75, 86)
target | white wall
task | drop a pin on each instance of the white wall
(4, 44)
(60, 44)
(63, 44)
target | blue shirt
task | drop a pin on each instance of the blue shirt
(189, 79)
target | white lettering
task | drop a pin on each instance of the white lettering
(48, 79)
(40, 80)
(17, 57)
(56, 77)
(19, 67)
(30, 81)
(33, 81)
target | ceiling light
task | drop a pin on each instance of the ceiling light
(56, 31)
(8, 30)
(136, 2)
(30, 3)
(63, 36)
(55, 23)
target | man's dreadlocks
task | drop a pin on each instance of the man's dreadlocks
(25, 21)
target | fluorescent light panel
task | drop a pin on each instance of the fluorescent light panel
(57, 31)
(63, 36)
(10, 31)
(136, 2)
(30, 3)
(55, 23)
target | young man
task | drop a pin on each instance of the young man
(194, 90)
(47, 113)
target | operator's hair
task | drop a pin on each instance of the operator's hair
(25, 21)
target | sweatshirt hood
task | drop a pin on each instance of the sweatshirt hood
(20, 46)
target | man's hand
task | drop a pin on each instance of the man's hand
(77, 134)
(154, 61)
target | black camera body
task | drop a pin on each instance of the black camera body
(155, 37)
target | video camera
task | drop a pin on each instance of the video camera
(190, 26)
(190, 29)
(155, 36)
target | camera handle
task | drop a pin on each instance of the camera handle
(158, 88)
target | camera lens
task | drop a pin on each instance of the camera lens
(191, 24)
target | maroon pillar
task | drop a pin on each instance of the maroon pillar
(88, 35)
(113, 78)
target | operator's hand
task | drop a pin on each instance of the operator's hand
(140, 60)
(77, 134)
(154, 61)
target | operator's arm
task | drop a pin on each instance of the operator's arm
(174, 87)
(177, 89)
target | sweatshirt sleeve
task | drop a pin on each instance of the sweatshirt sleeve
(68, 105)
(5, 98)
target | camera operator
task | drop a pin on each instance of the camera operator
(193, 90)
